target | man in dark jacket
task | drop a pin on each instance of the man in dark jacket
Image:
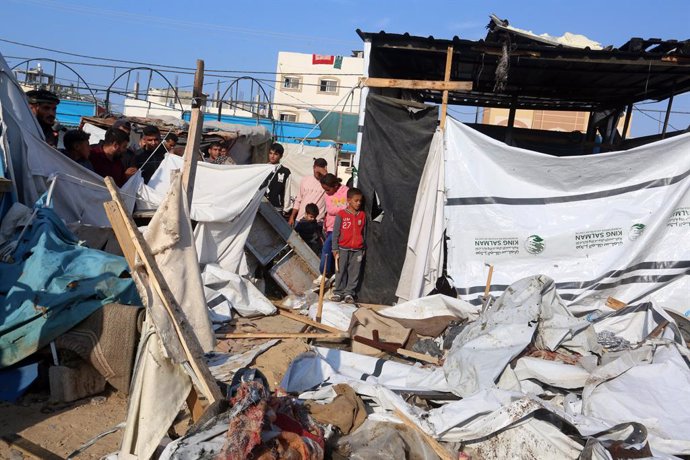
(275, 193)
(43, 105)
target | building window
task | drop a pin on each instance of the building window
(328, 85)
(291, 83)
(287, 116)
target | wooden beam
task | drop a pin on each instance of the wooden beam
(192, 348)
(418, 356)
(446, 79)
(417, 84)
(282, 335)
(121, 233)
(194, 136)
(626, 125)
(308, 321)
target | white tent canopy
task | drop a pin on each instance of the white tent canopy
(612, 224)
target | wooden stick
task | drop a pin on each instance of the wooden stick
(373, 82)
(438, 448)
(446, 79)
(487, 289)
(418, 356)
(194, 136)
(305, 320)
(282, 335)
(658, 329)
(188, 340)
(615, 304)
(322, 289)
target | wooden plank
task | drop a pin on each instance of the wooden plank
(322, 289)
(438, 448)
(126, 244)
(33, 450)
(195, 405)
(417, 84)
(303, 319)
(446, 79)
(194, 137)
(418, 356)
(282, 335)
(187, 338)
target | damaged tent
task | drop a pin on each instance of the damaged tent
(579, 220)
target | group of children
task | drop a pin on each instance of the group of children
(345, 234)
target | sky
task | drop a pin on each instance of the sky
(246, 36)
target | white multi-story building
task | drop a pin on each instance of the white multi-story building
(307, 81)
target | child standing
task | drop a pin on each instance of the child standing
(309, 229)
(348, 247)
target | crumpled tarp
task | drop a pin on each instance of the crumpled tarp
(79, 193)
(53, 284)
(529, 310)
(525, 370)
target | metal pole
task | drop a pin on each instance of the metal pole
(626, 124)
(668, 115)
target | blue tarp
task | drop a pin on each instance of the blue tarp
(53, 284)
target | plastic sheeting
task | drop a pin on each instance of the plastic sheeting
(530, 311)
(239, 293)
(79, 194)
(160, 384)
(424, 257)
(52, 285)
(299, 159)
(394, 149)
(612, 224)
(224, 202)
(635, 399)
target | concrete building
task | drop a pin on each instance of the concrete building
(309, 80)
(549, 120)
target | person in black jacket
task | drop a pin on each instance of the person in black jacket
(275, 193)
(310, 230)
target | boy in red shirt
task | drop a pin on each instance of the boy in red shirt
(348, 247)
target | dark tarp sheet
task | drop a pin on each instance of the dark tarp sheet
(53, 284)
(395, 143)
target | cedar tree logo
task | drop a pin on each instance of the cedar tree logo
(534, 244)
(635, 231)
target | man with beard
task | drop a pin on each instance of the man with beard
(43, 105)
(106, 157)
(151, 153)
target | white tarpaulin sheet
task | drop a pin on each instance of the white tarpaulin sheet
(224, 202)
(299, 159)
(612, 224)
(79, 194)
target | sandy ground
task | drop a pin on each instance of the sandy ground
(63, 428)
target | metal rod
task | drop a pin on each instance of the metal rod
(626, 124)
(668, 115)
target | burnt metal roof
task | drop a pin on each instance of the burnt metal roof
(540, 74)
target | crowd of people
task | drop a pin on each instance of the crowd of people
(327, 214)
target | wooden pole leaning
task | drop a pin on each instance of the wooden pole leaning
(195, 128)
(131, 239)
(446, 78)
